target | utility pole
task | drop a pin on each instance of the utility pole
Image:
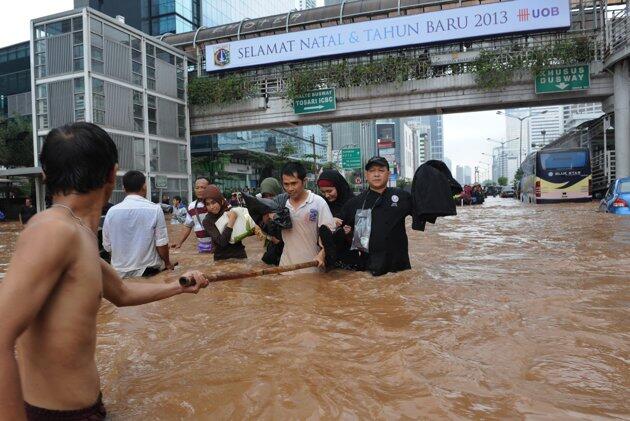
(314, 155)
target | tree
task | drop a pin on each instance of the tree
(517, 178)
(16, 142)
(331, 166)
(503, 181)
(401, 183)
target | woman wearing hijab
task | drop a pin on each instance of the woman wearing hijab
(336, 191)
(217, 206)
(270, 187)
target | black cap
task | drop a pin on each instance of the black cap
(377, 160)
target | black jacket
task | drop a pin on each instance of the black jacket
(223, 249)
(432, 190)
(389, 248)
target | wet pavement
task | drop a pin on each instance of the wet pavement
(511, 311)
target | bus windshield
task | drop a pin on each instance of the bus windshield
(563, 160)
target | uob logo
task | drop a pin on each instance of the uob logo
(545, 12)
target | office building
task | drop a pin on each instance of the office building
(157, 17)
(459, 174)
(15, 81)
(467, 172)
(91, 67)
(576, 114)
(437, 137)
(449, 164)
(305, 4)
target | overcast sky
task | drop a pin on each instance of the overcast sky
(464, 134)
(16, 15)
(465, 138)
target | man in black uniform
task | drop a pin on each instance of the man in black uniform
(388, 248)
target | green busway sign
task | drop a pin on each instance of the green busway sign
(318, 101)
(563, 79)
(351, 158)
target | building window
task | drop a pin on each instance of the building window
(152, 113)
(96, 41)
(180, 78)
(138, 154)
(136, 64)
(77, 42)
(183, 159)
(40, 58)
(154, 156)
(41, 105)
(138, 112)
(165, 56)
(98, 101)
(181, 120)
(79, 99)
(150, 67)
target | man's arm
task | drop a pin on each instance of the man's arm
(161, 239)
(107, 243)
(123, 294)
(35, 269)
(184, 237)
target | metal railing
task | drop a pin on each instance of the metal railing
(272, 80)
(616, 33)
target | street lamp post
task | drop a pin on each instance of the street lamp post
(520, 133)
(503, 154)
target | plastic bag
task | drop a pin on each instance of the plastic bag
(362, 230)
(243, 227)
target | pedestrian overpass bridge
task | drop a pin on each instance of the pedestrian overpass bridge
(440, 78)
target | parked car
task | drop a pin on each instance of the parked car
(507, 191)
(617, 198)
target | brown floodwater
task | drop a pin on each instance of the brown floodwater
(510, 312)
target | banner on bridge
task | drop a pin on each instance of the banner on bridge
(426, 28)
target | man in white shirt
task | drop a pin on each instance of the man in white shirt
(134, 232)
(308, 213)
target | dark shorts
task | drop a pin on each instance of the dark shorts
(95, 412)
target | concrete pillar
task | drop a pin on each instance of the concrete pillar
(622, 118)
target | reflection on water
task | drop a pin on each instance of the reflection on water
(510, 311)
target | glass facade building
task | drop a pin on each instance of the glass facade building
(90, 67)
(157, 17)
(15, 81)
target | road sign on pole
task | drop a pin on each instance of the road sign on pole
(319, 101)
(161, 182)
(351, 158)
(563, 79)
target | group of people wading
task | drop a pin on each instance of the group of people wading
(56, 279)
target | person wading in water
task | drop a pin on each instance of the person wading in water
(53, 288)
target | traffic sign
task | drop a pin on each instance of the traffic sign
(563, 79)
(358, 180)
(161, 182)
(351, 158)
(319, 101)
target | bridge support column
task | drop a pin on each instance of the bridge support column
(622, 118)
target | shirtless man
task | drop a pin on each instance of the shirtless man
(50, 296)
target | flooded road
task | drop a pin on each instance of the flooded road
(510, 312)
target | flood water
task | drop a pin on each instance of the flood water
(510, 312)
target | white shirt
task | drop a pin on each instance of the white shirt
(301, 242)
(131, 232)
(197, 211)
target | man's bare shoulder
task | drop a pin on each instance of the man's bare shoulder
(51, 228)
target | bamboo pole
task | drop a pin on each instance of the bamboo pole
(187, 282)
